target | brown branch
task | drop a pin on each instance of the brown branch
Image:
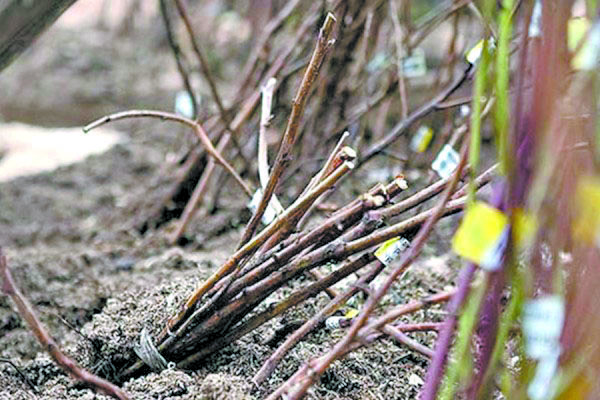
(416, 115)
(253, 294)
(403, 338)
(196, 197)
(289, 137)
(166, 116)
(269, 366)
(22, 22)
(406, 260)
(47, 342)
(202, 60)
(249, 247)
(178, 55)
(292, 300)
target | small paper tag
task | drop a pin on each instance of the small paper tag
(482, 236)
(415, 66)
(184, 105)
(421, 139)
(351, 313)
(543, 320)
(270, 213)
(524, 228)
(535, 26)
(446, 162)
(543, 386)
(586, 225)
(588, 57)
(474, 54)
(577, 29)
(336, 322)
(391, 249)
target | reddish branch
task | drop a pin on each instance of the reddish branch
(47, 342)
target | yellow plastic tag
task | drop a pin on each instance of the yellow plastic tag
(482, 236)
(576, 30)
(421, 139)
(586, 227)
(588, 56)
(472, 56)
(389, 250)
(524, 227)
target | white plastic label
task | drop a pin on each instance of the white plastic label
(415, 66)
(474, 54)
(391, 249)
(535, 26)
(334, 322)
(270, 213)
(492, 260)
(543, 320)
(542, 386)
(184, 105)
(446, 162)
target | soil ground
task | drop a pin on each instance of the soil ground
(71, 241)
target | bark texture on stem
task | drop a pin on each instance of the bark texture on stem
(9, 288)
(291, 132)
(22, 22)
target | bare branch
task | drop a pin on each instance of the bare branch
(47, 342)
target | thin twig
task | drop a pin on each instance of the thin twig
(165, 116)
(47, 342)
(196, 197)
(21, 374)
(256, 241)
(404, 339)
(398, 36)
(179, 56)
(203, 63)
(289, 137)
(405, 262)
(416, 115)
